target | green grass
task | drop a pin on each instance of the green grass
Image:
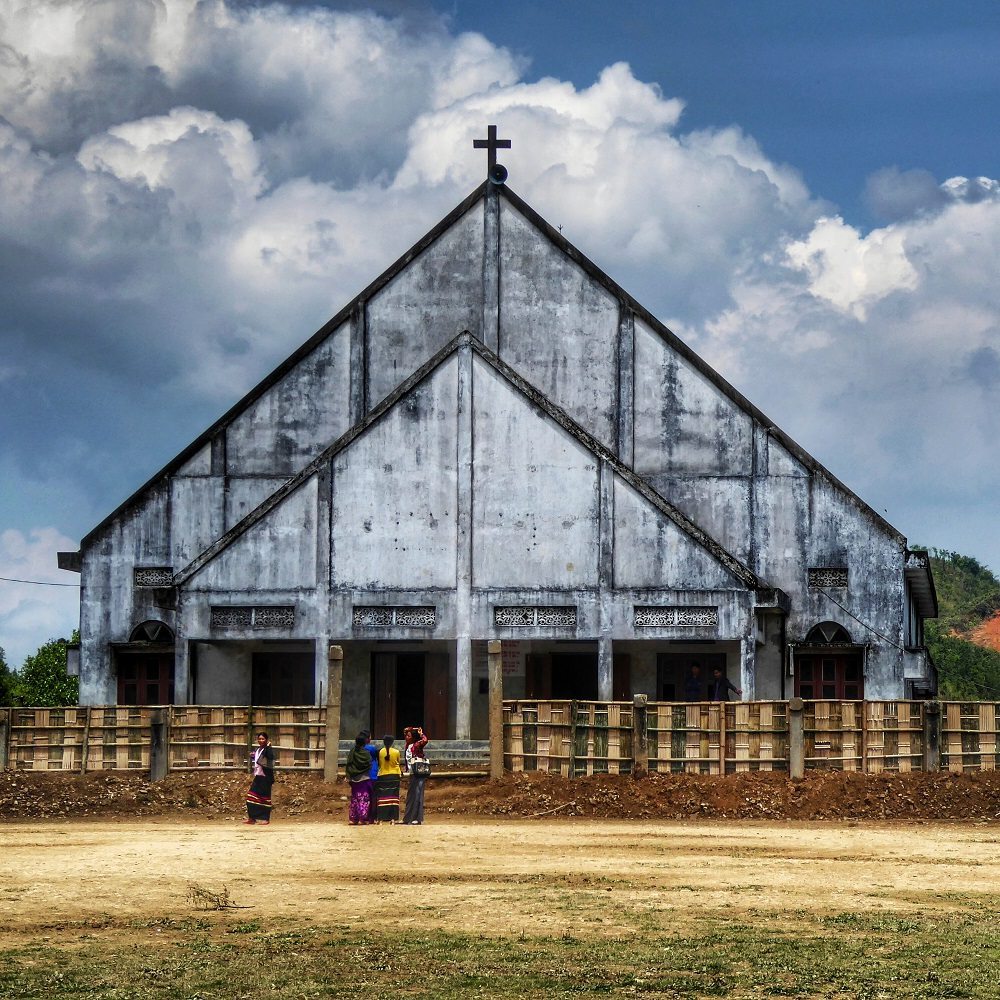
(850, 954)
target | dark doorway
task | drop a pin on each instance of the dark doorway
(574, 675)
(409, 689)
(283, 678)
(673, 671)
(145, 678)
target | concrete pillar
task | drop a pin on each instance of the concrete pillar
(334, 682)
(605, 668)
(321, 668)
(463, 688)
(796, 739)
(491, 270)
(182, 671)
(748, 662)
(932, 736)
(495, 656)
(159, 760)
(640, 755)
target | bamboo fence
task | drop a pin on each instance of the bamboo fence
(558, 737)
(969, 736)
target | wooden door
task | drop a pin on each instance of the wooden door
(835, 676)
(146, 678)
(383, 695)
(437, 676)
(621, 684)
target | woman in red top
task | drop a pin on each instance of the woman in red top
(416, 741)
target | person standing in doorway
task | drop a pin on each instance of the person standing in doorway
(694, 689)
(259, 793)
(720, 686)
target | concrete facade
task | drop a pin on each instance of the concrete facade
(495, 441)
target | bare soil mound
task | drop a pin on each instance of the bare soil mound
(821, 795)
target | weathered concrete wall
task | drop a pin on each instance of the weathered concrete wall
(651, 551)
(435, 298)
(394, 518)
(110, 607)
(558, 327)
(225, 672)
(277, 553)
(292, 421)
(535, 489)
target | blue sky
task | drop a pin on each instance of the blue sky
(805, 192)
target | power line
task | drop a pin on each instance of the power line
(38, 583)
(874, 631)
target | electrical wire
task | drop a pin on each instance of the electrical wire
(860, 622)
(39, 583)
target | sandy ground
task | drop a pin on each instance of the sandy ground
(557, 876)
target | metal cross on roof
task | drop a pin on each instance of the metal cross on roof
(492, 144)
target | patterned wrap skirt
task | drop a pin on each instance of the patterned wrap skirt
(387, 797)
(259, 798)
(360, 809)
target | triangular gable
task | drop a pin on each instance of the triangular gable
(550, 300)
(276, 552)
(563, 495)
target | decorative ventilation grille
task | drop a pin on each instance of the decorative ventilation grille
(400, 617)
(153, 576)
(252, 617)
(651, 617)
(827, 576)
(531, 615)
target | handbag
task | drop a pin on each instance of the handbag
(420, 767)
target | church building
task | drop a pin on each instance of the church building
(495, 441)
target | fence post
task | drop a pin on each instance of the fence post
(334, 680)
(796, 739)
(158, 745)
(4, 737)
(932, 736)
(640, 757)
(572, 740)
(495, 657)
(85, 746)
(723, 705)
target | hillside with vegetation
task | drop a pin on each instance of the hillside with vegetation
(965, 640)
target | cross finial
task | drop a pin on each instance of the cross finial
(491, 144)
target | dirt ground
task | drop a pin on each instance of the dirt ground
(822, 795)
(561, 876)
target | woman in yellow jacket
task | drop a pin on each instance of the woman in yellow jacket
(387, 783)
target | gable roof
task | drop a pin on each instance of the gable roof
(735, 566)
(571, 252)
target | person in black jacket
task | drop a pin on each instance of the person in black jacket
(720, 686)
(259, 794)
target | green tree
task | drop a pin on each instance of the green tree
(43, 680)
(6, 681)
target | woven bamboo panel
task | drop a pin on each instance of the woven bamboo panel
(213, 737)
(118, 738)
(756, 736)
(603, 738)
(969, 735)
(297, 733)
(685, 737)
(833, 735)
(537, 736)
(47, 739)
(894, 736)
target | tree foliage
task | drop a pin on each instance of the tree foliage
(6, 681)
(968, 594)
(43, 680)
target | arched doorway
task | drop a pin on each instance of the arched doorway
(829, 665)
(145, 666)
